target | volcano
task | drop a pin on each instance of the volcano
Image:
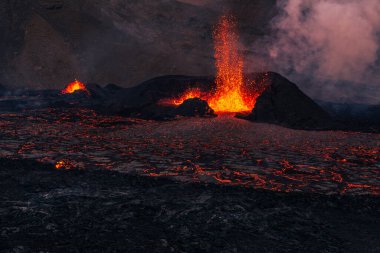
(285, 104)
(281, 101)
(230, 91)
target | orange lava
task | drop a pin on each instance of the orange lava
(191, 93)
(231, 93)
(64, 165)
(60, 165)
(74, 86)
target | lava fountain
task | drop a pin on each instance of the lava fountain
(75, 86)
(232, 93)
(229, 95)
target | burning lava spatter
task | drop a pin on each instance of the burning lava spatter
(75, 86)
(231, 93)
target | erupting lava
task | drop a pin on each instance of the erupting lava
(74, 86)
(231, 93)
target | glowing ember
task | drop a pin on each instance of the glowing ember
(60, 165)
(64, 165)
(75, 86)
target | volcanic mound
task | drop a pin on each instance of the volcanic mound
(280, 101)
(285, 104)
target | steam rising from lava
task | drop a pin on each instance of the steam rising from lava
(75, 86)
(329, 41)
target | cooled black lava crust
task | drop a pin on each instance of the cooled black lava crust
(43, 209)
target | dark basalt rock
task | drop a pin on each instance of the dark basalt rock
(194, 107)
(113, 88)
(143, 100)
(3, 90)
(152, 112)
(94, 97)
(96, 91)
(149, 93)
(357, 117)
(285, 104)
(49, 210)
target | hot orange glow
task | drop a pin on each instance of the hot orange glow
(229, 94)
(191, 93)
(60, 165)
(64, 165)
(232, 93)
(74, 86)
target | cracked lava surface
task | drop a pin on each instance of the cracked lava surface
(222, 150)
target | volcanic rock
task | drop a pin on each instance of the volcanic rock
(113, 88)
(285, 104)
(356, 117)
(146, 96)
(96, 91)
(282, 102)
(93, 93)
(3, 90)
(70, 211)
(194, 107)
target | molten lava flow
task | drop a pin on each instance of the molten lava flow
(229, 94)
(74, 86)
(191, 93)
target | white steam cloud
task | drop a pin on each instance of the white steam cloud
(329, 40)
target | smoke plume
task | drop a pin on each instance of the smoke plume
(334, 42)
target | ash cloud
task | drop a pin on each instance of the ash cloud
(331, 47)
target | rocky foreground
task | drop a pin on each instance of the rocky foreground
(47, 210)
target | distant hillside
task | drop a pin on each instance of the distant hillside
(354, 116)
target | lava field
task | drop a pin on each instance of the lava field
(222, 150)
